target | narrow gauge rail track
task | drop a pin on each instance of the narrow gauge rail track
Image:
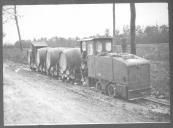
(161, 102)
(149, 99)
(142, 100)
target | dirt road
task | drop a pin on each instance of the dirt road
(33, 98)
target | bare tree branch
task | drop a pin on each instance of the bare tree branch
(10, 14)
(17, 25)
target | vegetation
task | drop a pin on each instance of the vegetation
(149, 35)
(11, 53)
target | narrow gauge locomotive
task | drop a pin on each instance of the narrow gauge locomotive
(115, 74)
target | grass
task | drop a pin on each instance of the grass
(15, 54)
(158, 54)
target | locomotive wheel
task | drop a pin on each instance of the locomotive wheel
(98, 86)
(32, 69)
(87, 82)
(111, 90)
(38, 70)
(57, 76)
(84, 81)
(63, 78)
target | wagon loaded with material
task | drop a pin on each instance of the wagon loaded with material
(69, 63)
(52, 60)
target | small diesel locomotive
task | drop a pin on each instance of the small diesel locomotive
(115, 74)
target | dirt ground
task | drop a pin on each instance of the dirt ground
(34, 98)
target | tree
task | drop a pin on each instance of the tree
(17, 25)
(97, 35)
(126, 30)
(7, 11)
(117, 33)
(152, 33)
(139, 34)
(163, 34)
(107, 32)
(10, 14)
(25, 44)
(139, 30)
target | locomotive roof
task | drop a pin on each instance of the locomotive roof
(37, 44)
(96, 38)
(130, 59)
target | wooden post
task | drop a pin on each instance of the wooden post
(132, 27)
(17, 25)
(114, 45)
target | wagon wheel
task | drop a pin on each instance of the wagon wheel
(41, 70)
(44, 70)
(98, 86)
(47, 72)
(30, 66)
(63, 78)
(83, 82)
(86, 82)
(111, 90)
(58, 75)
(37, 69)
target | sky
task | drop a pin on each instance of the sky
(66, 21)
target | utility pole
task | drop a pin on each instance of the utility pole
(132, 27)
(114, 46)
(17, 25)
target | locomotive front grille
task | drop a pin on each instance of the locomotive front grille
(139, 77)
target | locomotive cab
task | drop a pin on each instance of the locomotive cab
(95, 46)
(89, 49)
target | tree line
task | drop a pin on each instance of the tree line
(148, 35)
